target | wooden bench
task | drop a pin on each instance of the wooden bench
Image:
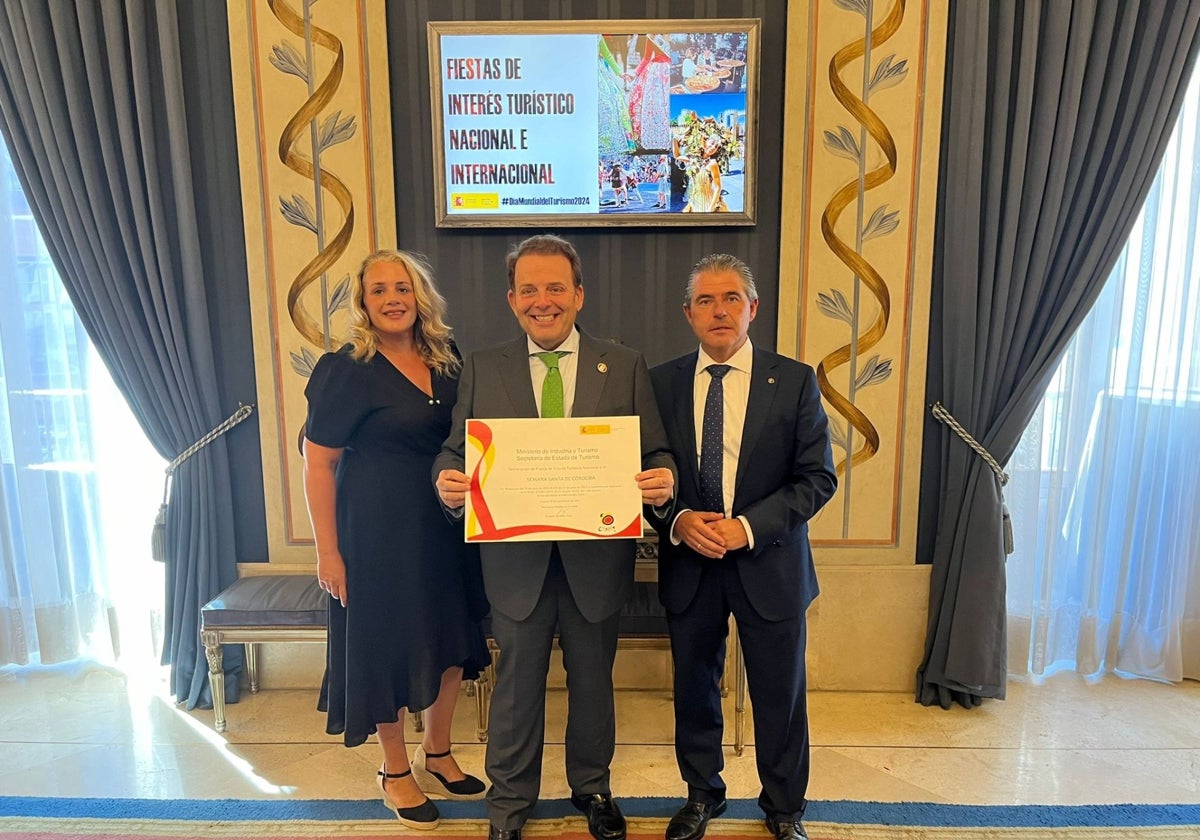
(260, 608)
(292, 608)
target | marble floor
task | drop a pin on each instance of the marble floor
(104, 733)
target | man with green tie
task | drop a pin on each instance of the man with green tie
(573, 588)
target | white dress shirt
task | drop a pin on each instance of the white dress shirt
(567, 367)
(736, 391)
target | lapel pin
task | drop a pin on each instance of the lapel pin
(603, 368)
(770, 380)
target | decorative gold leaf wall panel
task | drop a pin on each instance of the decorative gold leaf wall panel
(862, 131)
(315, 157)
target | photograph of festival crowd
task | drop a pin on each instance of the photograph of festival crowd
(672, 122)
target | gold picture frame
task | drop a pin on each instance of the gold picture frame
(609, 122)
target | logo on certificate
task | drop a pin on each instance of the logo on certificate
(608, 524)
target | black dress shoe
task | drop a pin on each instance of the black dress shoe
(692, 820)
(787, 829)
(503, 833)
(605, 821)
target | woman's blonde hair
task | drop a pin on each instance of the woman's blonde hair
(430, 332)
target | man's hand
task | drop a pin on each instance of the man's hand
(694, 529)
(656, 486)
(733, 532)
(452, 487)
(331, 575)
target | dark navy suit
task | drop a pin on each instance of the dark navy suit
(785, 474)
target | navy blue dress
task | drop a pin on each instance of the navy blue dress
(414, 589)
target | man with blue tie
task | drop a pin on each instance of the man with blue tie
(751, 441)
(573, 588)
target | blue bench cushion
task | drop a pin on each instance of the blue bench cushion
(267, 601)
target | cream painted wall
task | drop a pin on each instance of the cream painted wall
(867, 629)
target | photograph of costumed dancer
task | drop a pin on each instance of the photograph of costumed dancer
(649, 98)
(615, 127)
(709, 150)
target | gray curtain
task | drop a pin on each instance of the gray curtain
(1056, 118)
(91, 107)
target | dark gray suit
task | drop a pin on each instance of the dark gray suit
(574, 587)
(785, 474)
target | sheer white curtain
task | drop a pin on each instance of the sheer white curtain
(1105, 490)
(79, 483)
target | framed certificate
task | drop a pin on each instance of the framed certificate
(553, 479)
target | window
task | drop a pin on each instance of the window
(1105, 491)
(79, 483)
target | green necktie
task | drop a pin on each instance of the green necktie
(552, 386)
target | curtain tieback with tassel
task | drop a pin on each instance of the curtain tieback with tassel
(158, 536)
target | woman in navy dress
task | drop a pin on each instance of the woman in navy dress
(405, 592)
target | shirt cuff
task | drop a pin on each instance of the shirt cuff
(749, 532)
(675, 540)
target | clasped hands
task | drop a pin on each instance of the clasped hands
(655, 484)
(709, 534)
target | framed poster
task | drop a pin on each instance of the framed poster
(601, 122)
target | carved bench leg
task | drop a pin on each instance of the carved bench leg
(739, 694)
(483, 697)
(729, 657)
(418, 721)
(216, 676)
(252, 666)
